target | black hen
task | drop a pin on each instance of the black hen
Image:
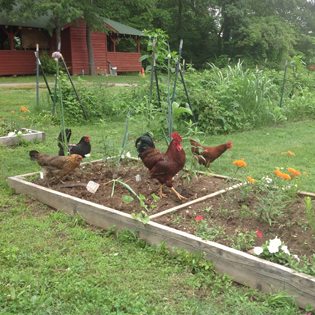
(144, 142)
(82, 148)
(62, 144)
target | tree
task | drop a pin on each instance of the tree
(59, 12)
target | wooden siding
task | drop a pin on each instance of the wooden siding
(17, 62)
(79, 55)
(100, 52)
(125, 61)
(66, 47)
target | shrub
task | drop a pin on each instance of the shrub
(48, 63)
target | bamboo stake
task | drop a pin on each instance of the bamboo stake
(186, 204)
(37, 75)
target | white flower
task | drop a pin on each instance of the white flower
(267, 179)
(274, 245)
(285, 249)
(19, 132)
(258, 250)
(296, 257)
(128, 155)
(56, 55)
(11, 134)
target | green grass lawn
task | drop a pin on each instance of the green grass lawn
(54, 264)
(132, 78)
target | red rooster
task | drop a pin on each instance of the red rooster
(162, 166)
(206, 155)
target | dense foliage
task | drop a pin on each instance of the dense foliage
(257, 30)
(223, 99)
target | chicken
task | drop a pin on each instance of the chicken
(56, 167)
(62, 144)
(206, 155)
(83, 147)
(162, 166)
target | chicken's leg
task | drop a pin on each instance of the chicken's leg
(161, 192)
(178, 195)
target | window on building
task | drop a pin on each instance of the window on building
(4, 39)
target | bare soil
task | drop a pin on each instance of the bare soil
(232, 215)
(113, 197)
(228, 213)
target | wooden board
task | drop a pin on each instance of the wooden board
(32, 135)
(241, 267)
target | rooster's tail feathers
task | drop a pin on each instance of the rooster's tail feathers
(68, 132)
(34, 154)
(194, 143)
(144, 142)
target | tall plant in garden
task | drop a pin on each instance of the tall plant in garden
(58, 91)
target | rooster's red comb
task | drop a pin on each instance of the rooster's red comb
(176, 136)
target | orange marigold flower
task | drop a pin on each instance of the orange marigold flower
(282, 175)
(277, 172)
(24, 109)
(290, 153)
(251, 180)
(285, 176)
(240, 163)
(294, 172)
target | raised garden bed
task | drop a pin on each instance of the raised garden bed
(24, 134)
(241, 266)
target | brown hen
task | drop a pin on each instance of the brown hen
(56, 167)
(206, 154)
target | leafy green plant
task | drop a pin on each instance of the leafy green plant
(7, 126)
(244, 240)
(272, 195)
(48, 63)
(208, 233)
(141, 216)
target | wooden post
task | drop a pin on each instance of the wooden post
(11, 39)
(138, 44)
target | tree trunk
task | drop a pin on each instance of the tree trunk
(90, 50)
(58, 38)
(180, 20)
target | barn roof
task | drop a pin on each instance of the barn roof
(122, 28)
(43, 22)
(40, 22)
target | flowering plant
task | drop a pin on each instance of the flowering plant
(240, 163)
(275, 250)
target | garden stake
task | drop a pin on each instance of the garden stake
(74, 89)
(169, 103)
(62, 118)
(53, 110)
(283, 83)
(179, 71)
(154, 74)
(125, 138)
(37, 75)
(45, 79)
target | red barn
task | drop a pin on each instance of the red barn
(119, 47)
